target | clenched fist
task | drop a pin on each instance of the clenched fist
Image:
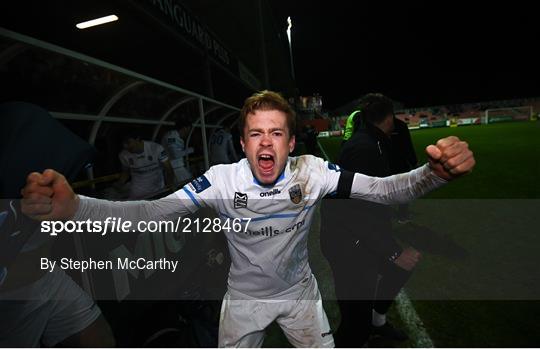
(48, 196)
(408, 259)
(450, 158)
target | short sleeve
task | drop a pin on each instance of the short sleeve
(162, 154)
(123, 160)
(330, 174)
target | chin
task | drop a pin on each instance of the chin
(267, 180)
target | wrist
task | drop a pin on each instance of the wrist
(74, 208)
(438, 173)
(392, 258)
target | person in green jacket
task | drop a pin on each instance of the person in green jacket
(349, 126)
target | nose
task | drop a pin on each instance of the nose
(266, 140)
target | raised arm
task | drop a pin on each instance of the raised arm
(450, 158)
(48, 196)
(395, 189)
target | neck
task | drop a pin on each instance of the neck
(381, 126)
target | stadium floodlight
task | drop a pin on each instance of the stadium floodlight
(289, 26)
(97, 21)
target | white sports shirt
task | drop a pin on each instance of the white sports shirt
(221, 148)
(145, 169)
(271, 257)
(174, 144)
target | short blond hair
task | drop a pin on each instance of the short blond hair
(267, 100)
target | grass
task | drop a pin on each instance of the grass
(478, 284)
(507, 154)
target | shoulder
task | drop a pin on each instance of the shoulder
(228, 169)
(360, 140)
(359, 145)
(226, 176)
(310, 162)
(398, 123)
(153, 145)
(170, 134)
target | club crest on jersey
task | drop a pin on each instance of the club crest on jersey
(240, 200)
(295, 194)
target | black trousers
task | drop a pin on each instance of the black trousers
(363, 282)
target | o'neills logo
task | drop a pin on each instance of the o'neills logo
(270, 193)
(296, 194)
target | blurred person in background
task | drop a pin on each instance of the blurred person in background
(39, 307)
(173, 142)
(369, 266)
(221, 147)
(145, 162)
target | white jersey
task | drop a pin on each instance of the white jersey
(175, 147)
(271, 256)
(221, 148)
(145, 169)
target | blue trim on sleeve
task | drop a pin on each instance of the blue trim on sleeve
(192, 197)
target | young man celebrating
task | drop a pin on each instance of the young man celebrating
(270, 278)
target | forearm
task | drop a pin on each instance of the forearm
(165, 208)
(124, 176)
(396, 189)
(186, 151)
(169, 174)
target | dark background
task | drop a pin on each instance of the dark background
(419, 53)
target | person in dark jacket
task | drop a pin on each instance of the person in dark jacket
(360, 257)
(402, 159)
(38, 307)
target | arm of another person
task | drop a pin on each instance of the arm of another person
(124, 176)
(163, 159)
(169, 173)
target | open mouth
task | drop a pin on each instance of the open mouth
(266, 162)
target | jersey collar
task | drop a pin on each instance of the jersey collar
(279, 179)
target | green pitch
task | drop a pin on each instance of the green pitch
(508, 159)
(478, 283)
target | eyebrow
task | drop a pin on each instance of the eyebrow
(262, 131)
